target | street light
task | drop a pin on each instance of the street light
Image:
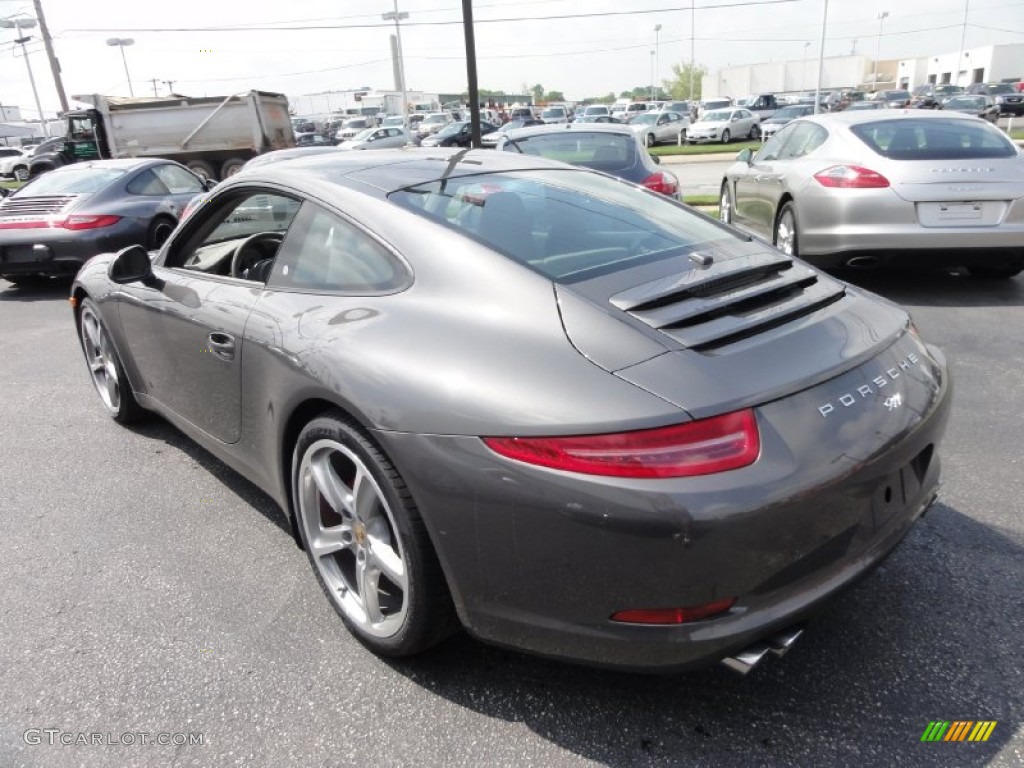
(121, 42)
(803, 68)
(878, 49)
(397, 17)
(28, 23)
(657, 51)
(652, 75)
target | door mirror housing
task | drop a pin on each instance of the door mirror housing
(745, 156)
(131, 265)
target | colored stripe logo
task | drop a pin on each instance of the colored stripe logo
(958, 730)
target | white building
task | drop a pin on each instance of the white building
(987, 64)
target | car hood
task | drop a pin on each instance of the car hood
(726, 326)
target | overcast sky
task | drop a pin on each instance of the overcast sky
(584, 56)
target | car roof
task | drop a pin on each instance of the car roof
(856, 117)
(621, 129)
(388, 170)
(125, 163)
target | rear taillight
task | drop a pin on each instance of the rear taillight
(663, 182)
(851, 177)
(700, 447)
(89, 222)
(70, 222)
(673, 615)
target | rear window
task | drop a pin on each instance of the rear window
(601, 151)
(72, 181)
(568, 225)
(934, 139)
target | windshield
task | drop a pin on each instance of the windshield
(356, 124)
(608, 152)
(791, 113)
(363, 135)
(719, 116)
(434, 119)
(595, 111)
(451, 129)
(968, 102)
(74, 180)
(590, 224)
(646, 118)
(553, 113)
(939, 139)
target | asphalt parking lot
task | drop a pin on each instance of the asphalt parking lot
(147, 590)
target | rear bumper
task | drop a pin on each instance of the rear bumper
(539, 560)
(61, 252)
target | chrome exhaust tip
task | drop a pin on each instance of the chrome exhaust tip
(777, 645)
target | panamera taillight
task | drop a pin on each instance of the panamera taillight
(701, 447)
(851, 177)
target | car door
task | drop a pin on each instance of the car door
(184, 326)
(748, 210)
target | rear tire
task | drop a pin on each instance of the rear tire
(366, 540)
(200, 168)
(21, 173)
(786, 239)
(755, 133)
(231, 167)
(105, 367)
(159, 230)
(649, 140)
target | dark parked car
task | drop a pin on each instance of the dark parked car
(978, 105)
(931, 96)
(614, 149)
(313, 140)
(1009, 100)
(492, 390)
(57, 221)
(456, 135)
(895, 99)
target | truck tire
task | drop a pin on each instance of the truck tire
(200, 168)
(231, 166)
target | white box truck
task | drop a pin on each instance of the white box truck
(212, 135)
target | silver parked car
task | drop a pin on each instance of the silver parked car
(379, 138)
(656, 127)
(861, 189)
(724, 125)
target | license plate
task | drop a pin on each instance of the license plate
(959, 211)
(987, 213)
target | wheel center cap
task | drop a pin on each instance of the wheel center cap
(359, 531)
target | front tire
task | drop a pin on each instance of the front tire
(200, 168)
(726, 136)
(105, 367)
(21, 173)
(231, 167)
(366, 540)
(649, 140)
(786, 239)
(725, 205)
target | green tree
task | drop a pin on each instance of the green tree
(538, 92)
(679, 86)
(554, 96)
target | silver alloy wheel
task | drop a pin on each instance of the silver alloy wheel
(101, 360)
(21, 174)
(352, 538)
(725, 206)
(785, 233)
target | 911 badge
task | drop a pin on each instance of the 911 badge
(865, 391)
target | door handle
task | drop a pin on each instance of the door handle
(222, 345)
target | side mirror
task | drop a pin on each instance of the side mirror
(656, 159)
(209, 184)
(131, 265)
(745, 156)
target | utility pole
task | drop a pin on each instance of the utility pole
(54, 64)
(397, 17)
(170, 86)
(878, 49)
(154, 81)
(963, 36)
(692, 33)
(821, 60)
(474, 93)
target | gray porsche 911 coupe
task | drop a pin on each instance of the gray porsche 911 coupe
(548, 405)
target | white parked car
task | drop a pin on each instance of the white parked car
(13, 163)
(655, 127)
(385, 137)
(724, 125)
(433, 122)
(555, 115)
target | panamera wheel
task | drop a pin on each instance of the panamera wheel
(785, 230)
(725, 205)
(366, 540)
(105, 366)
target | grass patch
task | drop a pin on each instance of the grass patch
(706, 149)
(701, 199)
(1017, 135)
(11, 184)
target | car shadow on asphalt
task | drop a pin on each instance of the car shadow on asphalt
(156, 428)
(933, 634)
(45, 290)
(938, 288)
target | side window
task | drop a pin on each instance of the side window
(146, 183)
(178, 180)
(233, 235)
(806, 138)
(323, 252)
(771, 148)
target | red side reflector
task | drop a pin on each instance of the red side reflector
(673, 615)
(700, 447)
(851, 177)
(663, 182)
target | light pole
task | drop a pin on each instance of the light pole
(652, 75)
(657, 51)
(821, 60)
(803, 68)
(17, 24)
(878, 49)
(121, 42)
(693, 32)
(397, 17)
(963, 36)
